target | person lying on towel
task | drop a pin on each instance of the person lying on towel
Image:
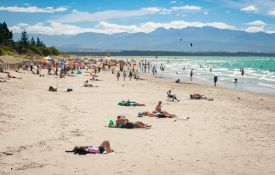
(104, 147)
(129, 103)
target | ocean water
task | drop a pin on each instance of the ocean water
(259, 71)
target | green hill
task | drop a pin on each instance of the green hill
(24, 46)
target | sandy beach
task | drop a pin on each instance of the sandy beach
(233, 134)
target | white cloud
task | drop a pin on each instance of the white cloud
(256, 23)
(205, 13)
(254, 29)
(250, 8)
(271, 12)
(78, 16)
(52, 29)
(186, 7)
(33, 9)
(264, 7)
(75, 11)
(55, 28)
(173, 2)
(259, 26)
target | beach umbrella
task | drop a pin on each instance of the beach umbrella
(45, 58)
(48, 58)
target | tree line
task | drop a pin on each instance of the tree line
(24, 45)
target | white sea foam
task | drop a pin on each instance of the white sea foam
(257, 75)
(267, 85)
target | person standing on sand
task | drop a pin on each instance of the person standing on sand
(56, 71)
(118, 75)
(191, 74)
(124, 75)
(242, 71)
(215, 80)
(49, 69)
(130, 75)
(31, 66)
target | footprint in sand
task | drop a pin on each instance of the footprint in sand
(30, 165)
(77, 132)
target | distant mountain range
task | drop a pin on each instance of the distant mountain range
(205, 39)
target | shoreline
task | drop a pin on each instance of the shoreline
(169, 76)
(218, 86)
(256, 79)
(172, 80)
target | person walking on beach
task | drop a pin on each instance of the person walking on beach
(31, 66)
(49, 67)
(191, 74)
(215, 80)
(242, 70)
(124, 75)
(130, 75)
(118, 75)
(56, 71)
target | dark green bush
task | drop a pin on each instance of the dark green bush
(1, 51)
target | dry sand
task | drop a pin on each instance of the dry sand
(234, 134)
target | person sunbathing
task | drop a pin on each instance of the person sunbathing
(162, 114)
(94, 79)
(197, 96)
(123, 122)
(87, 84)
(4, 78)
(103, 147)
(157, 112)
(18, 71)
(11, 76)
(129, 103)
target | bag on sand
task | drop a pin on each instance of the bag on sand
(69, 90)
(52, 89)
(129, 125)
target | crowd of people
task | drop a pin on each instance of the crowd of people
(65, 68)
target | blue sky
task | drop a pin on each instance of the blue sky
(72, 17)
